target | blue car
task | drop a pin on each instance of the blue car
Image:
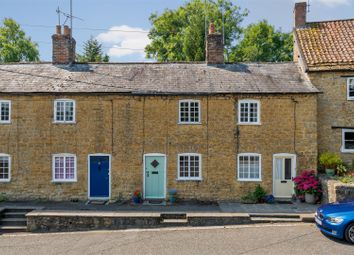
(337, 219)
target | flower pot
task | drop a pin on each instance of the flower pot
(330, 172)
(136, 200)
(310, 198)
(172, 199)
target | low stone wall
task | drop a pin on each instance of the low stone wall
(334, 190)
(60, 221)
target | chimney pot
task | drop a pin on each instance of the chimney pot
(211, 28)
(300, 12)
(58, 30)
(66, 30)
(214, 47)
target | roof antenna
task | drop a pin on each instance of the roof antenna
(308, 5)
(68, 17)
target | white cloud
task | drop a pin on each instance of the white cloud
(125, 41)
(332, 3)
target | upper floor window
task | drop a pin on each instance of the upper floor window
(64, 168)
(64, 111)
(348, 140)
(5, 111)
(189, 111)
(249, 167)
(249, 112)
(189, 166)
(350, 88)
(5, 167)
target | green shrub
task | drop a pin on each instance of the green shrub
(347, 179)
(3, 197)
(330, 160)
(256, 196)
(341, 169)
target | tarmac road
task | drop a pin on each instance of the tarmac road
(243, 239)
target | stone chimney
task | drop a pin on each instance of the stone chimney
(63, 46)
(300, 12)
(214, 47)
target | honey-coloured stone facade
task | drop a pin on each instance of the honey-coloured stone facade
(335, 112)
(127, 127)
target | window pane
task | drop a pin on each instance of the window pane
(249, 167)
(287, 169)
(59, 168)
(4, 167)
(253, 112)
(351, 87)
(184, 112)
(60, 111)
(244, 112)
(5, 111)
(69, 111)
(349, 140)
(70, 168)
(183, 166)
(243, 171)
(194, 166)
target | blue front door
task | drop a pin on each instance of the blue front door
(99, 177)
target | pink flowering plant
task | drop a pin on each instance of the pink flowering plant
(307, 182)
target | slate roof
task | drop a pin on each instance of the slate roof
(327, 45)
(155, 78)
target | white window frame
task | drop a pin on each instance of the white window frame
(9, 120)
(350, 82)
(200, 167)
(249, 101)
(65, 155)
(189, 101)
(9, 158)
(260, 167)
(343, 149)
(55, 111)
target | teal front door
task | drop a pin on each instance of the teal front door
(154, 174)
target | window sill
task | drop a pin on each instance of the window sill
(189, 180)
(5, 122)
(350, 98)
(63, 181)
(68, 123)
(250, 124)
(249, 180)
(346, 151)
(189, 123)
(5, 181)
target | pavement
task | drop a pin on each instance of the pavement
(191, 207)
(246, 239)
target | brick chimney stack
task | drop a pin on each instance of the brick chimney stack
(300, 12)
(214, 47)
(63, 46)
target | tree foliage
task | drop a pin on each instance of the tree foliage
(15, 46)
(179, 35)
(261, 42)
(93, 52)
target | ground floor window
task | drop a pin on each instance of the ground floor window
(189, 166)
(5, 167)
(249, 167)
(348, 140)
(64, 168)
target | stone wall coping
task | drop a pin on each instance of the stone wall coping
(51, 213)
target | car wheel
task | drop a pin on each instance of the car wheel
(349, 233)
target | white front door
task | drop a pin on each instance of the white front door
(284, 169)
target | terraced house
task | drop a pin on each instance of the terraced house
(325, 51)
(211, 130)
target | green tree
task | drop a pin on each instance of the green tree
(15, 46)
(92, 52)
(261, 42)
(179, 35)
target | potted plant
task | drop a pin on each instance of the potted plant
(137, 196)
(307, 184)
(172, 194)
(330, 161)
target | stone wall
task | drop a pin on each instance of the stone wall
(127, 127)
(334, 110)
(334, 190)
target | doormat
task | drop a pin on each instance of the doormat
(97, 202)
(154, 202)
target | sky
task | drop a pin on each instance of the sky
(107, 20)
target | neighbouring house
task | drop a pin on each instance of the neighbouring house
(213, 131)
(325, 51)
